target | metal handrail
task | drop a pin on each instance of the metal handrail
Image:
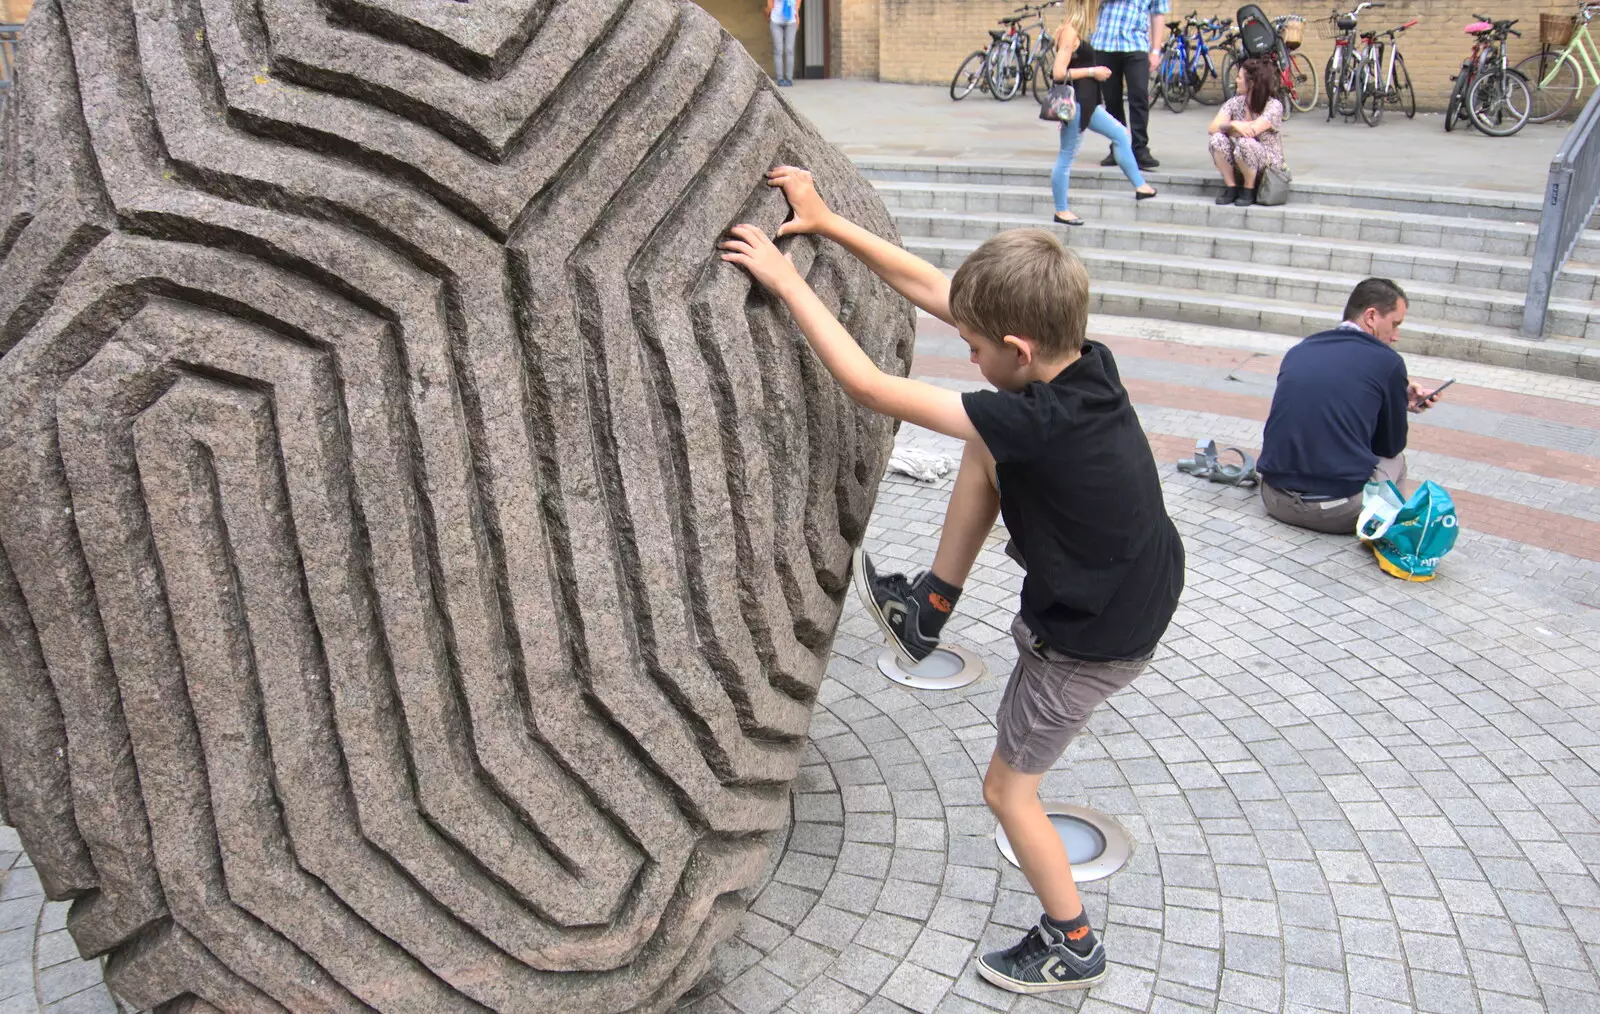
(9, 34)
(1570, 198)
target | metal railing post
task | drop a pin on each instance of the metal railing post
(1547, 249)
(1571, 195)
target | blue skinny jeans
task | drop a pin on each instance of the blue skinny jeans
(1106, 125)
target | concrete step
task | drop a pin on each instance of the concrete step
(1446, 202)
(1418, 336)
(1421, 231)
(1451, 306)
(1406, 264)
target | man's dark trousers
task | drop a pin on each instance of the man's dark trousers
(1134, 69)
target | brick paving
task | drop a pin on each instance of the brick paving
(1348, 794)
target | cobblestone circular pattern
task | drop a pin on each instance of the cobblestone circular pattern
(1350, 795)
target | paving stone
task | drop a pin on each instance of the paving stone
(916, 988)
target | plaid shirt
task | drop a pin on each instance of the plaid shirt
(1124, 25)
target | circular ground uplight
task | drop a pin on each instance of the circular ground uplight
(1097, 845)
(948, 667)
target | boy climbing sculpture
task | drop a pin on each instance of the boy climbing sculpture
(1058, 451)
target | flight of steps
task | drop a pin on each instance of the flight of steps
(1463, 257)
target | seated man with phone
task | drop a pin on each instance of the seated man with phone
(1338, 416)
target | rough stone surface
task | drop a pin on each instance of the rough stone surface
(420, 554)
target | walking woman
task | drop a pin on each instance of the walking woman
(784, 16)
(1076, 62)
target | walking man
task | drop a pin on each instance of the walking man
(1128, 38)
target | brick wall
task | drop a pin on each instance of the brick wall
(926, 40)
(14, 12)
(923, 41)
(855, 25)
(745, 20)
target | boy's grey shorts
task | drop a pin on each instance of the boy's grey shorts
(1048, 700)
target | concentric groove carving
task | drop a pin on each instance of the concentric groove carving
(420, 553)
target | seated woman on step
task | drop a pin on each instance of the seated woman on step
(1076, 62)
(1246, 135)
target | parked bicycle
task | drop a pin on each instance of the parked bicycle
(979, 70)
(1455, 110)
(1001, 68)
(1298, 78)
(1186, 63)
(1498, 99)
(1555, 73)
(1044, 54)
(1341, 75)
(1384, 84)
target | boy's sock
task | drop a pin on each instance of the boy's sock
(939, 599)
(1080, 938)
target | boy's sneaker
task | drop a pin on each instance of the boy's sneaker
(901, 612)
(1043, 962)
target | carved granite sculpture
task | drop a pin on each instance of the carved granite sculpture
(420, 553)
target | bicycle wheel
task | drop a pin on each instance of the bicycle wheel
(1174, 87)
(967, 76)
(1040, 81)
(1499, 102)
(1372, 95)
(1350, 89)
(1005, 75)
(1212, 90)
(1196, 71)
(1555, 81)
(1330, 83)
(1456, 109)
(1403, 95)
(1304, 75)
(1230, 67)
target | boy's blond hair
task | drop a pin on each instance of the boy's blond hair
(1024, 283)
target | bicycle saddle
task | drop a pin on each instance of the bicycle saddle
(1478, 28)
(1010, 21)
(996, 34)
(1345, 22)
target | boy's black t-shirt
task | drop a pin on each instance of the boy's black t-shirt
(1080, 495)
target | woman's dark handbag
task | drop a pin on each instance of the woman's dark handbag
(1060, 104)
(1273, 189)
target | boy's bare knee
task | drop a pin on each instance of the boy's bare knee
(1005, 789)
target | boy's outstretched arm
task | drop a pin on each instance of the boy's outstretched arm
(910, 275)
(911, 400)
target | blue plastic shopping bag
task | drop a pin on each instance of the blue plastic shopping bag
(1408, 536)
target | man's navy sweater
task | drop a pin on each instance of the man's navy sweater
(1339, 407)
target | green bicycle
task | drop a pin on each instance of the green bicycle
(1554, 73)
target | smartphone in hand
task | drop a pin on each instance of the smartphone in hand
(1440, 389)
